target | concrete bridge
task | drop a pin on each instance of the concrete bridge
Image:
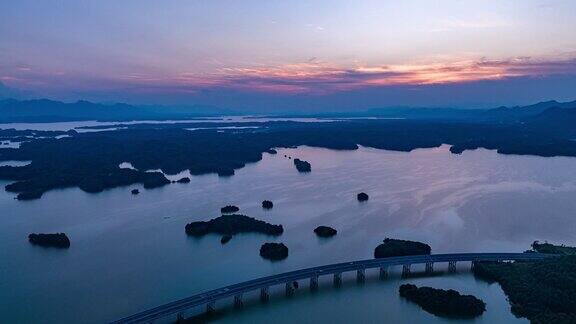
(208, 299)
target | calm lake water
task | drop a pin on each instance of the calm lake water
(130, 253)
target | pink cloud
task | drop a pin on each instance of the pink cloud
(310, 77)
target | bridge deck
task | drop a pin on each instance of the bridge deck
(282, 278)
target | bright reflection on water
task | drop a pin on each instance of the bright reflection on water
(130, 252)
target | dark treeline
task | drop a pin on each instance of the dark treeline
(541, 291)
(394, 248)
(90, 160)
(58, 240)
(231, 225)
(445, 303)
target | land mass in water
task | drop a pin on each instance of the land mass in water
(274, 251)
(58, 240)
(229, 209)
(393, 248)
(90, 161)
(302, 166)
(267, 204)
(325, 231)
(231, 225)
(444, 303)
(542, 291)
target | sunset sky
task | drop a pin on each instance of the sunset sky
(291, 55)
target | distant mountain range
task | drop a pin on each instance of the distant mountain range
(516, 113)
(44, 110)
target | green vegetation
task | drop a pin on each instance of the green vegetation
(542, 291)
(553, 249)
(267, 204)
(362, 196)
(302, 166)
(90, 160)
(395, 248)
(325, 231)
(229, 209)
(231, 225)
(58, 240)
(274, 251)
(444, 303)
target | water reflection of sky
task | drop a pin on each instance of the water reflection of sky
(476, 201)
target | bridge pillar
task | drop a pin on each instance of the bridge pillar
(238, 301)
(211, 307)
(360, 275)
(383, 272)
(429, 267)
(180, 318)
(264, 294)
(314, 283)
(289, 289)
(473, 265)
(406, 270)
(452, 266)
(338, 279)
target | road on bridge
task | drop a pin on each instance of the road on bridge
(288, 277)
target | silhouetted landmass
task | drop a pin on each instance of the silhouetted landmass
(229, 209)
(362, 196)
(444, 303)
(267, 204)
(29, 195)
(44, 110)
(90, 160)
(542, 291)
(394, 248)
(231, 225)
(325, 231)
(225, 239)
(553, 249)
(302, 166)
(59, 240)
(183, 180)
(225, 172)
(135, 191)
(274, 251)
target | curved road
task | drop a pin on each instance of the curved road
(288, 277)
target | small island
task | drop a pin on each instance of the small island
(302, 166)
(59, 240)
(274, 251)
(325, 231)
(267, 204)
(362, 196)
(395, 248)
(135, 191)
(225, 239)
(183, 180)
(443, 303)
(231, 225)
(229, 209)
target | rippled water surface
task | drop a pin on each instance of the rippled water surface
(130, 253)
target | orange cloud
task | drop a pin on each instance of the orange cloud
(316, 77)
